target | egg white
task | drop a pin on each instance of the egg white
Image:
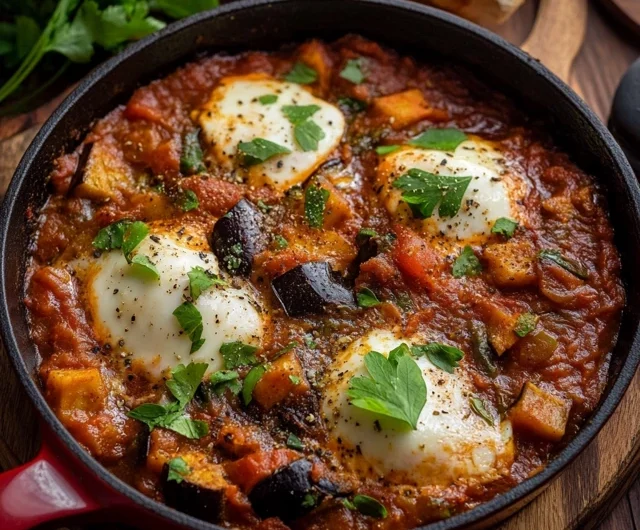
(135, 313)
(493, 192)
(451, 445)
(234, 114)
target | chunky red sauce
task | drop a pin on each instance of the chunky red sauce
(544, 383)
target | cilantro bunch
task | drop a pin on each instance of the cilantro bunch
(34, 30)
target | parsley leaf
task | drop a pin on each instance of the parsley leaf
(200, 280)
(394, 387)
(367, 298)
(184, 8)
(280, 242)
(111, 237)
(505, 227)
(479, 407)
(573, 266)
(367, 506)
(178, 469)
(191, 160)
(466, 264)
(145, 267)
(383, 150)
(192, 429)
(302, 74)
(353, 71)
(260, 150)
(133, 236)
(423, 191)
(293, 442)
(185, 381)
(525, 324)
(352, 104)
(268, 99)
(190, 321)
(440, 139)
(189, 201)
(148, 413)
(250, 382)
(223, 379)
(443, 356)
(308, 134)
(237, 354)
(297, 114)
(315, 201)
(294, 379)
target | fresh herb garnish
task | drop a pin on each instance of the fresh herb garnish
(133, 236)
(268, 99)
(260, 150)
(225, 379)
(284, 350)
(200, 280)
(479, 407)
(364, 234)
(264, 207)
(178, 469)
(145, 267)
(306, 132)
(366, 506)
(353, 104)
(525, 324)
(280, 242)
(190, 321)
(310, 343)
(294, 379)
(367, 298)
(302, 74)
(443, 356)
(315, 201)
(309, 501)
(191, 159)
(439, 139)
(383, 150)
(573, 266)
(250, 382)
(237, 354)
(394, 387)
(505, 227)
(466, 264)
(297, 114)
(353, 71)
(125, 235)
(183, 386)
(188, 201)
(233, 259)
(423, 191)
(293, 442)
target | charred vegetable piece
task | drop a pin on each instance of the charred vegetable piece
(237, 237)
(481, 349)
(78, 175)
(535, 349)
(310, 288)
(197, 487)
(288, 494)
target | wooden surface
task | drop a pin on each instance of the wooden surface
(596, 491)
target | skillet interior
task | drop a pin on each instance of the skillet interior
(260, 24)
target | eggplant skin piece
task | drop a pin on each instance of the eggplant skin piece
(283, 494)
(200, 501)
(237, 237)
(309, 288)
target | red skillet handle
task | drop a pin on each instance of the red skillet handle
(42, 490)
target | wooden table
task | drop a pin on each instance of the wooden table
(603, 59)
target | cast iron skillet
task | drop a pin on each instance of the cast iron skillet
(265, 24)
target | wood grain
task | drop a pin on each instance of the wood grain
(586, 494)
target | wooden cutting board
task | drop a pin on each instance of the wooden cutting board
(584, 493)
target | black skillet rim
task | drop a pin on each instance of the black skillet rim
(517, 495)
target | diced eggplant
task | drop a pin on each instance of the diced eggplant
(310, 288)
(200, 492)
(237, 237)
(78, 175)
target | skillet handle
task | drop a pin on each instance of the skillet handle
(624, 122)
(42, 490)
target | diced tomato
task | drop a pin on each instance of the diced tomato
(250, 470)
(216, 196)
(415, 259)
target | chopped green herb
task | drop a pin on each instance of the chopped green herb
(367, 298)
(237, 354)
(309, 501)
(133, 236)
(191, 160)
(383, 150)
(479, 407)
(185, 381)
(440, 139)
(200, 280)
(423, 191)
(525, 324)
(505, 227)
(353, 104)
(268, 99)
(315, 201)
(348, 504)
(443, 356)
(466, 264)
(250, 382)
(226, 379)
(145, 267)
(310, 343)
(365, 233)
(369, 506)
(394, 388)
(260, 150)
(190, 321)
(284, 350)
(298, 114)
(302, 74)
(308, 134)
(192, 429)
(293, 442)
(353, 71)
(178, 469)
(294, 379)
(280, 242)
(189, 201)
(111, 237)
(264, 208)
(573, 266)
